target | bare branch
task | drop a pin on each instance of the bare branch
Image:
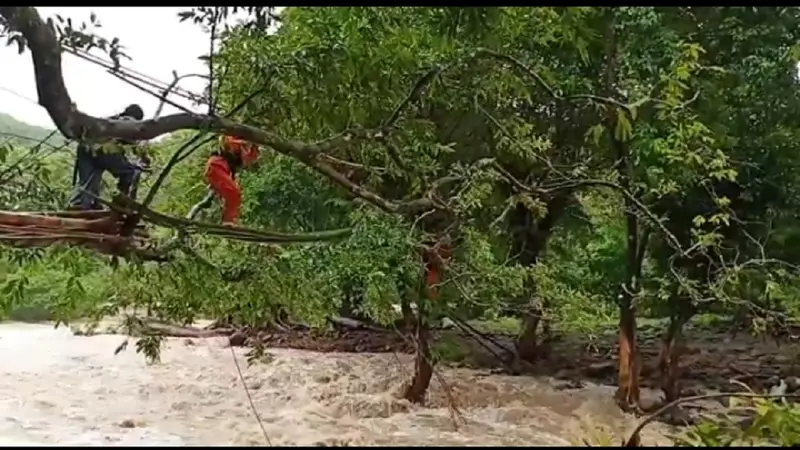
(165, 93)
(213, 35)
(633, 439)
(414, 95)
(132, 74)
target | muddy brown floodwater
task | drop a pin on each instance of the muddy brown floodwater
(61, 389)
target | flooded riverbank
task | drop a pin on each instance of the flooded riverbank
(61, 389)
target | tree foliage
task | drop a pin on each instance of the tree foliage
(580, 171)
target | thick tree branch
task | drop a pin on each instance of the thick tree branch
(168, 90)
(127, 74)
(127, 206)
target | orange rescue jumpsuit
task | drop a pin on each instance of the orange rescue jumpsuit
(433, 268)
(221, 170)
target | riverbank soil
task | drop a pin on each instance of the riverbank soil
(345, 340)
(713, 356)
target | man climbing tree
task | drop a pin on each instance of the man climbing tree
(92, 160)
(221, 168)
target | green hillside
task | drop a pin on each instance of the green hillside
(23, 134)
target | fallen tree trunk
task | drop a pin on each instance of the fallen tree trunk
(187, 331)
(74, 214)
(97, 230)
(22, 221)
(354, 323)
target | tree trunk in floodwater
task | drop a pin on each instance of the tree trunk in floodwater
(636, 236)
(529, 240)
(630, 364)
(423, 364)
(672, 348)
(527, 341)
(668, 361)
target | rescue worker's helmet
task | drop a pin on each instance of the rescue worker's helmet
(246, 151)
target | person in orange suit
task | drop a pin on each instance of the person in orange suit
(434, 259)
(221, 168)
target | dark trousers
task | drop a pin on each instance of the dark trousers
(89, 168)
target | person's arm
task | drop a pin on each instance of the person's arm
(124, 141)
(84, 146)
(142, 151)
(127, 142)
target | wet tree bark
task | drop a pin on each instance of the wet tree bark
(433, 259)
(530, 237)
(528, 340)
(423, 363)
(672, 347)
(669, 359)
(630, 364)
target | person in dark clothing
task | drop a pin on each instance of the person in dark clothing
(91, 162)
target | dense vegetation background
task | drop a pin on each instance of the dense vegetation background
(585, 176)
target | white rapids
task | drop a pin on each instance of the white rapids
(61, 389)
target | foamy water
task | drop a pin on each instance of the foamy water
(60, 389)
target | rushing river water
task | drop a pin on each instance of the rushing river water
(60, 389)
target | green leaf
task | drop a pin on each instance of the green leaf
(623, 129)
